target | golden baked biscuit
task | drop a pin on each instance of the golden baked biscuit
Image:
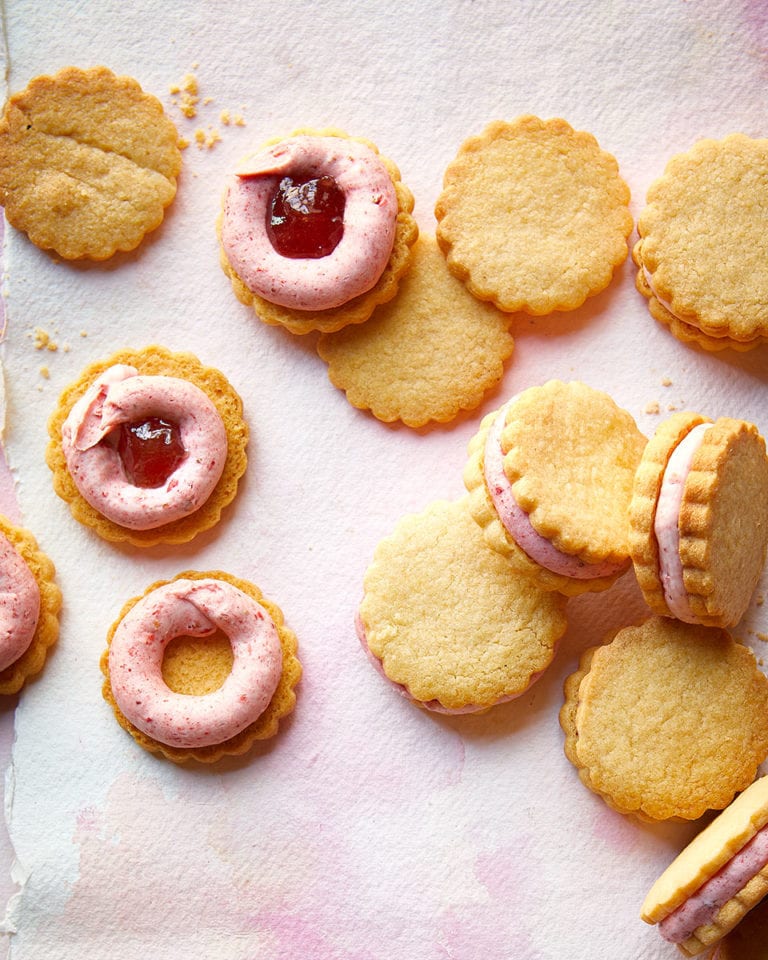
(155, 360)
(533, 215)
(360, 307)
(88, 162)
(668, 720)
(748, 940)
(198, 667)
(444, 619)
(432, 351)
(550, 479)
(14, 676)
(701, 491)
(702, 256)
(717, 879)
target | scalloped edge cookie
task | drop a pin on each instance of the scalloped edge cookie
(31, 662)
(88, 162)
(701, 255)
(359, 308)
(266, 726)
(723, 524)
(533, 215)
(667, 720)
(155, 360)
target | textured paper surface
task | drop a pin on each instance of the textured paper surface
(367, 829)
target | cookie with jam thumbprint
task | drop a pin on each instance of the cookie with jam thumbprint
(316, 230)
(148, 446)
(200, 667)
(88, 162)
(29, 611)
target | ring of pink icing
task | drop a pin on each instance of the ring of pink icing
(370, 215)
(517, 522)
(122, 396)
(194, 608)
(666, 522)
(19, 604)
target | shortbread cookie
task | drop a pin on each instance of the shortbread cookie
(444, 619)
(316, 230)
(29, 621)
(717, 879)
(748, 940)
(200, 667)
(668, 720)
(88, 162)
(533, 215)
(699, 518)
(432, 351)
(148, 446)
(703, 248)
(550, 477)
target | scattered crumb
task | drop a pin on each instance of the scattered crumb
(207, 138)
(42, 340)
(652, 407)
(672, 407)
(183, 143)
(762, 636)
(207, 100)
(225, 117)
(83, 333)
(45, 372)
(187, 99)
(759, 600)
(666, 382)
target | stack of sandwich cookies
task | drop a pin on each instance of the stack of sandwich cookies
(550, 479)
(717, 879)
(446, 621)
(316, 230)
(699, 518)
(533, 215)
(702, 256)
(667, 720)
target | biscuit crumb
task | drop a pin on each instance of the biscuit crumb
(666, 382)
(45, 372)
(672, 407)
(42, 340)
(207, 138)
(183, 143)
(759, 600)
(225, 117)
(762, 636)
(652, 407)
(83, 333)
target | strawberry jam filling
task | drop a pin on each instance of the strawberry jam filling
(306, 219)
(150, 450)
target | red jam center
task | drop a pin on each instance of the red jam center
(306, 218)
(150, 451)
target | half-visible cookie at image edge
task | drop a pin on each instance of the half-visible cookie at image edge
(447, 623)
(429, 353)
(88, 162)
(200, 667)
(316, 230)
(148, 446)
(699, 518)
(550, 479)
(30, 607)
(702, 255)
(666, 721)
(533, 215)
(716, 880)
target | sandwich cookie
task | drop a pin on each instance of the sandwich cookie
(699, 518)
(719, 877)
(668, 720)
(550, 478)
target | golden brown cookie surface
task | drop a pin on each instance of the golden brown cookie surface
(533, 215)
(432, 351)
(447, 619)
(667, 720)
(88, 162)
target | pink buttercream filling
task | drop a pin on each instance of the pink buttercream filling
(370, 215)
(19, 604)
(702, 906)
(121, 396)
(194, 608)
(666, 524)
(517, 522)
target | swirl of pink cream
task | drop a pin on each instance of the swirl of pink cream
(370, 215)
(119, 396)
(194, 608)
(19, 604)
(517, 522)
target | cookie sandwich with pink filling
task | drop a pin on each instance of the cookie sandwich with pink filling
(550, 479)
(699, 518)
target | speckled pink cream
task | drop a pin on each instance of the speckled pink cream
(194, 608)
(122, 396)
(370, 215)
(19, 604)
